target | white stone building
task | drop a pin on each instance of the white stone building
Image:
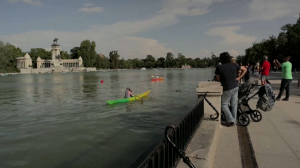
(56, 64)
(24, 62)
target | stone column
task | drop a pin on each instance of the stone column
(38, 63)
(213, 91)
(80, 61)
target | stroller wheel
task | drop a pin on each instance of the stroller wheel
(256, 116)
(243, 119)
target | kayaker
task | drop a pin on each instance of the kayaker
(128, 93)
(157, 76)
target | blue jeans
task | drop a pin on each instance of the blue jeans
(230, 96)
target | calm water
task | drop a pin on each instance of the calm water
(62, 120)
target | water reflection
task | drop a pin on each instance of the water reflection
(65, 118)
(114, 80)
(90, 85)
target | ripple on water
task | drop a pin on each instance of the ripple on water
(62, 120)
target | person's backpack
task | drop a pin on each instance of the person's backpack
(266, 99)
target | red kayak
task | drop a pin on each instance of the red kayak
(159, 79)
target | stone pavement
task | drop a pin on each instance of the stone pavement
(275, 139)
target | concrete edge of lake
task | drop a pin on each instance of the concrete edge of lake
(202, 148)
(216, 146)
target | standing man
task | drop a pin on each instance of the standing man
(286, 77)
(265, 70)
(227, 75)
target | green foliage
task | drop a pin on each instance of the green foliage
(149, 62)
(214, 60)
(137, 63)
(181, 60)
(74, 52)
(287, 43)
(88, 53)
(64, 55)
(160, 62)
(8, 55)
(114, 59)
(102, 63)
(170, 61)
(39, 52)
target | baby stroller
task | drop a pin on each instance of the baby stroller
(244, 109)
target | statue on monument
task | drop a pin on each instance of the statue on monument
(55, 40)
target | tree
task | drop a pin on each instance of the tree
(191, 62)
(160, 62)
(123, 64)
(287, 43)
(114, 59)
(198, 63)
(74, 52)
(39, 52)
(181, 60)
(170, 62)
(88, 53)
(64, 55)
(214, 60)
(8, 55)
(149, 61)
(102, 63)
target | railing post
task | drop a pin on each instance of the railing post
(213, 92)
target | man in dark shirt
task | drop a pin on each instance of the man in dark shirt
(227, 74)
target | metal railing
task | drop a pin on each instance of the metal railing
(161, 154)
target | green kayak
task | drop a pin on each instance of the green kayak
(136, 97)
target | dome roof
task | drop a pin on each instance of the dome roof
(80, 58)
(38, 59)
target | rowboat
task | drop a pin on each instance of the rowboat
(159, 79)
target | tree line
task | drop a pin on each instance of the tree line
(287, 43)
(114, 61)
(87, 50)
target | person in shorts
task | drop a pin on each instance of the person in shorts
(265, 70)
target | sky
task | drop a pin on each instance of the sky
(137, 28)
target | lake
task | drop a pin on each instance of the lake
(63, 120)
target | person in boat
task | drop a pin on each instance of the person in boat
(128, 93)
(157, 76)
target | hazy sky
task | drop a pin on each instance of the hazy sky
(137, 28)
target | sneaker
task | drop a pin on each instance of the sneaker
(227, 124)
(278, 99)
(285, 99)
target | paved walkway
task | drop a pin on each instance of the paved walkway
(275, 139)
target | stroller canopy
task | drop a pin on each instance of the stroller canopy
(246, 87)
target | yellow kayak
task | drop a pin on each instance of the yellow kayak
(136, 97)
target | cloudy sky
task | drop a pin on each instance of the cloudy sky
(137, 28)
